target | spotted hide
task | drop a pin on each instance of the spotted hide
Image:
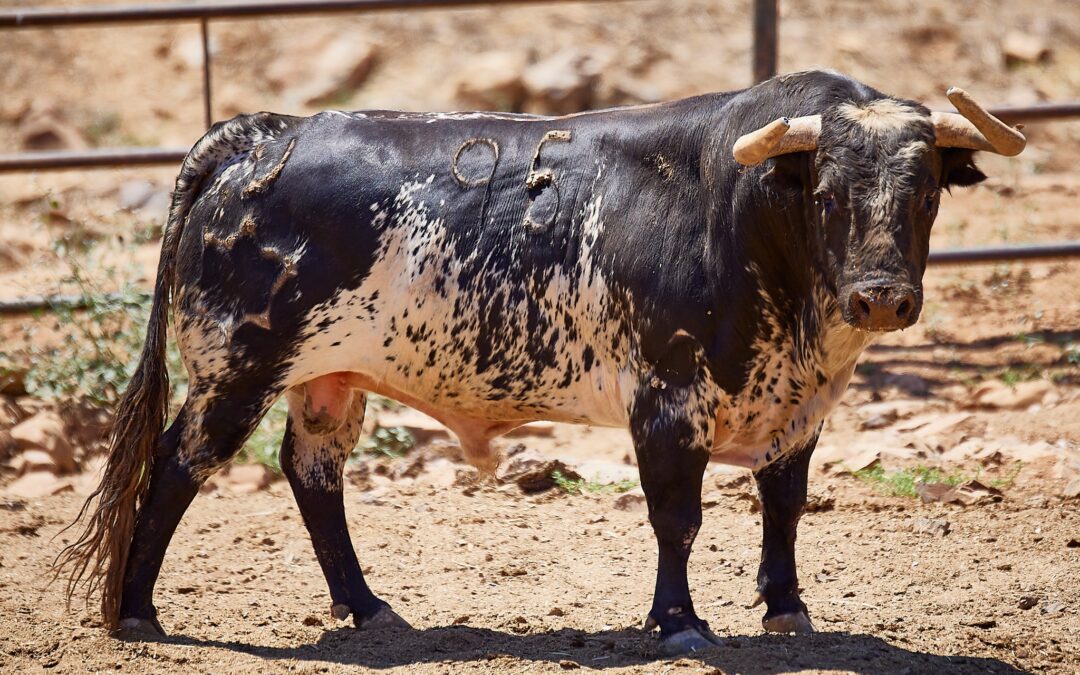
(614, 268)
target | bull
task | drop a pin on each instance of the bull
(703, 272)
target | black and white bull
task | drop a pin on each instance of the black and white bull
(700, 272)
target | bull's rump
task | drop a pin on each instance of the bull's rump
(367, 249)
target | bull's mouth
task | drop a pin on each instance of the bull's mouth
(880, 307)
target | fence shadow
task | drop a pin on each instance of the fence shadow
(490, 649)
(888, 365)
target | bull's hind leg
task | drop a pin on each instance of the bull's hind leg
(325, 417)
(782, 488)
(209, 430)
(671, 422)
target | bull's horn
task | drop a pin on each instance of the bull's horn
(974, 128)
(779, 137)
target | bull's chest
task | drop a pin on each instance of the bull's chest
(788, 394)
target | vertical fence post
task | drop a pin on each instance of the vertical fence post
(765, 19)
(208, 114)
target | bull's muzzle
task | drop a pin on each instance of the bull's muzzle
(881, 306)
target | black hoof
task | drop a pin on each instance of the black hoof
(383, 618)
(795, 622)
(139, 628)
(687, 641)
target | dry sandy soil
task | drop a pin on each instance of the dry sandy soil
(987, 385)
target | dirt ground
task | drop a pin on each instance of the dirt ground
(985, 387)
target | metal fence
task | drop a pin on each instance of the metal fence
(764, 64)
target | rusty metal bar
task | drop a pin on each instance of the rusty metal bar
(83, 159)
(989, 254)
(1039, 112)
(80, 16)
(208, 108)
(765, 39)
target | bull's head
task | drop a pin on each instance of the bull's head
(877, 176)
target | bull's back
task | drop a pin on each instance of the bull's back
(407, 254)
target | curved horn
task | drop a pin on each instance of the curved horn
(779, 137)
(975, 128)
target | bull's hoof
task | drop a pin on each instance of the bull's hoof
(384, 618)
(688, 640)
(136, 628)
(796, 622)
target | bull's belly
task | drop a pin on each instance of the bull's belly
(408, 343)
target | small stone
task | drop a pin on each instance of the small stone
(145, 198)
(630, 501)
(36, 485)
(463, 619)
(934, 526)
(312, 620)
(542, 477)
(711, 499)
(567, 664)
(980, 623)
(556, 611)
(1000, 396)
(561, 83)
(1072, 489)
(877, 422)
(45, 431)
(45, 129)
(1019, 48)
(1052, 609)
(1027, 602)
(493, 82)
(248, 478)
(337, 69)
(816, 503)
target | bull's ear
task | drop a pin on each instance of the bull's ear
(958, 168)
(786, 172)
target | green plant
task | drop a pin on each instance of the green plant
(390, 442)
(101, 127)
(1008, 479)
(903, 482)
(576, 486)
(264, 445)
(97, 338)
(1017, 373)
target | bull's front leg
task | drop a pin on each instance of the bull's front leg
(671, 422)
(782, 490)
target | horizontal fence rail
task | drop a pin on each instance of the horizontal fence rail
(990, 254)
(40, 17)
(89, 159)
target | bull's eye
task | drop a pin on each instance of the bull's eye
(929, 203)
(828, 202)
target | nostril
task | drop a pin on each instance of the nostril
(903, 309)
(864, 306)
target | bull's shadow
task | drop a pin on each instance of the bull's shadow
(488, 649)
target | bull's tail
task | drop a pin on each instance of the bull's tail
(97, 560)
